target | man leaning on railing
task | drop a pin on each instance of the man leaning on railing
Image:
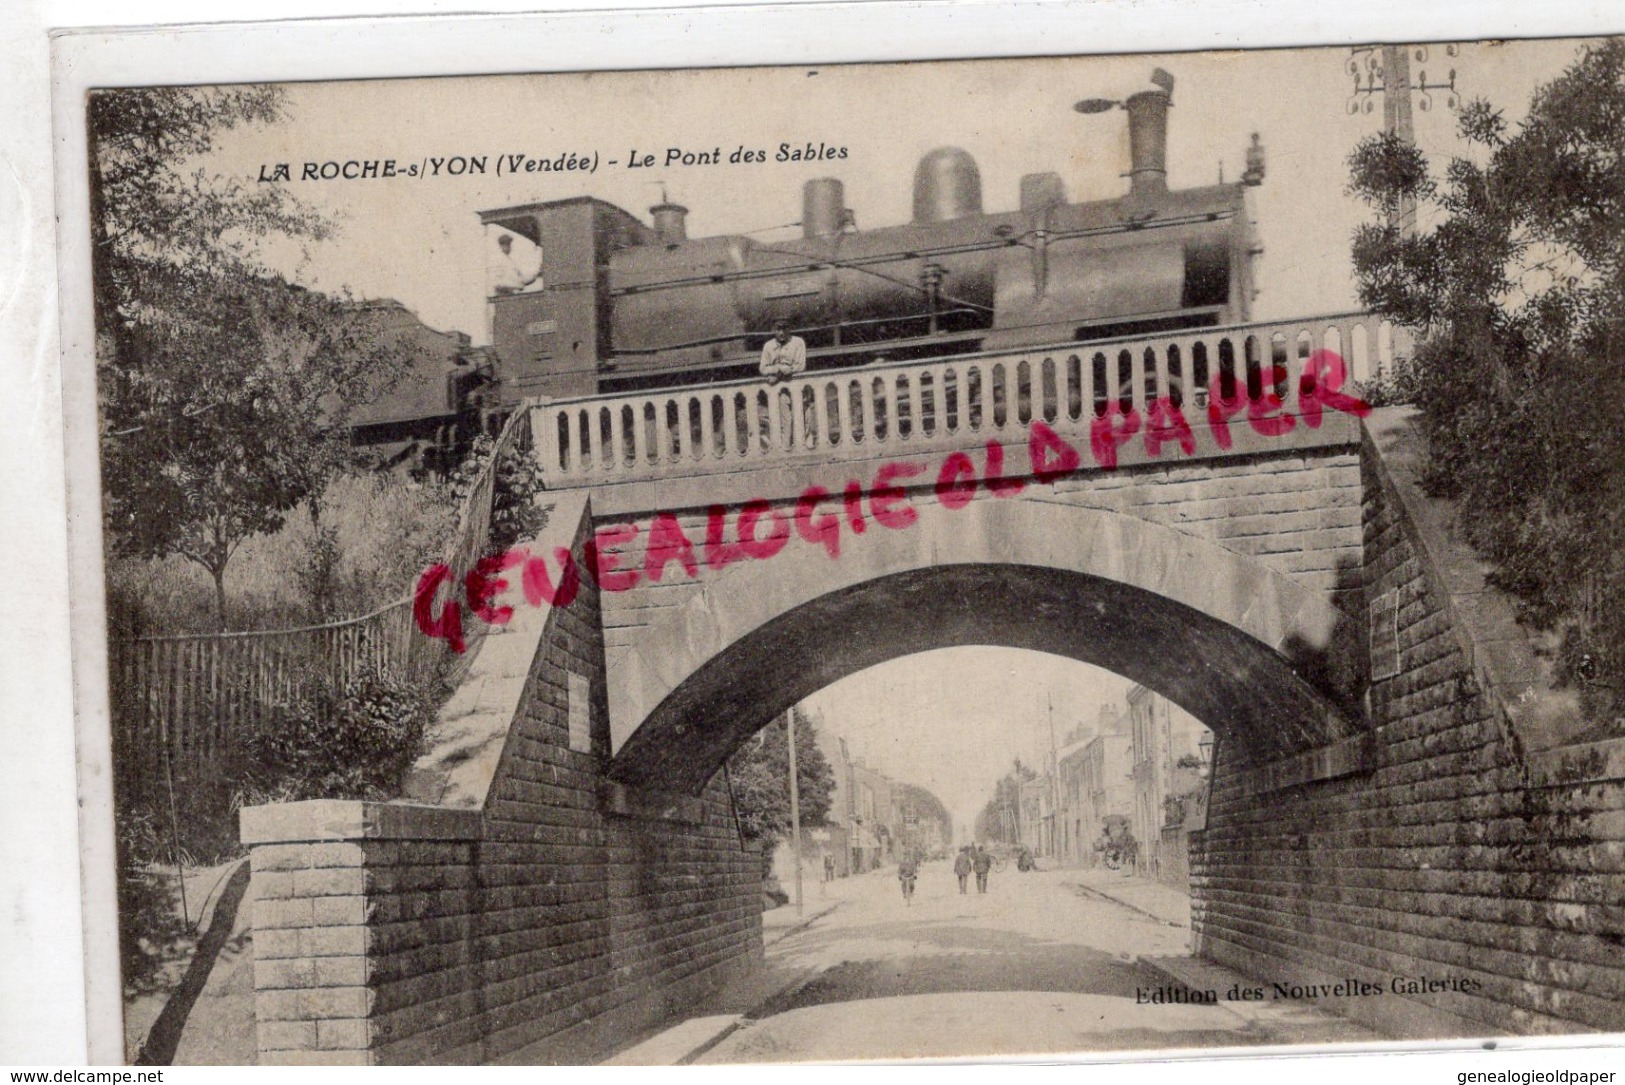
(783, 357)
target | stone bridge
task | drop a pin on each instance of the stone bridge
(1398, 789)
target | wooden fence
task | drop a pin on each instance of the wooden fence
(189, 703)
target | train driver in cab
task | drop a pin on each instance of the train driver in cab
(508, 276)
(784, 355)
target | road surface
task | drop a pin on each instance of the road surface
(1039, 965)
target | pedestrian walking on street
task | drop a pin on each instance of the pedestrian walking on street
(962, 867)
(981, 862)
(1131, 855)
(907, 871)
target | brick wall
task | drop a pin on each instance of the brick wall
(1456, 857)
(563, 912)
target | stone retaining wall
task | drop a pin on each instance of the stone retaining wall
(1458, 858)
(535, 913)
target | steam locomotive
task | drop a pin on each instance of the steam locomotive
(616, 306)
(599, 302)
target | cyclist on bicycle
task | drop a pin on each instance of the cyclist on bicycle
(907, 871)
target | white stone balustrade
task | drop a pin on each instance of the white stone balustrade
(941, 404)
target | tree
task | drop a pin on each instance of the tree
(1519, 294)
(1000, 819)
(224, 389)
(926, 821)
(759, 774)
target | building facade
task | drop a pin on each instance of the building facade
(1168, 765)
(1106, 784)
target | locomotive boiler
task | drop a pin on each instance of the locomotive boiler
(616, 305)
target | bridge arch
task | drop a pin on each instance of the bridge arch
(1258, 657)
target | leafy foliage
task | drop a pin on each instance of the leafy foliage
(515, 515)
(224, 389)
(149, 929)
(352, 743)
(1520, 293)
(759, 773)
(1000, 819)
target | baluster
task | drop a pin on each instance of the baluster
(550, 444)
(1144, 367)
(992, 397)
(1012, 397)
(775, 419)
(1179, 377)
(617, 438)
(911, 391)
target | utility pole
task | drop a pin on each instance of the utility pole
(795, 801)
(1391, 77)
(1054, 783)
(1396, 118)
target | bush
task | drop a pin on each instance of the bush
(515, 515)
(354, 743)
(1398, 385)
(149, 930)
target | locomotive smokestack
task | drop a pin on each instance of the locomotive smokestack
(670, 222)
(823, 207)
(1148, 137)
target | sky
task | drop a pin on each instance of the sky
(418, 239)
(955, 738)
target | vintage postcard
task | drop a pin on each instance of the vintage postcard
(1061, 556)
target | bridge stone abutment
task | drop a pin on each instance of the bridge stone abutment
(523, 907)
(1472, 876)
